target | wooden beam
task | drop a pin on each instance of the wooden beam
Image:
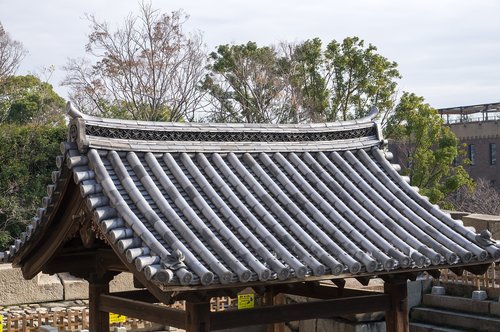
(318, 291)
(39, 239)
(78, 264)
(396, 318)
(150, 312)
(61, 222)
(108, 260)
(269, 301)
(85, 262)
(142, 295)
(279, 299)
(479, 269)
(299, 311)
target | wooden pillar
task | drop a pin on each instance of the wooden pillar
(98, 320)
(271, 299)
(198, 316)
(396, 318)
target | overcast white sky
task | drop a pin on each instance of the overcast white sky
(447, 51)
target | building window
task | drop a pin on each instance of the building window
(472, 154)
(493, 154)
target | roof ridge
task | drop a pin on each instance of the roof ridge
(74, 113)
(128, 135)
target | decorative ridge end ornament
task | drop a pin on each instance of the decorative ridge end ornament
(76, 127)
(370, 117)
(372, 114)
(73, 112)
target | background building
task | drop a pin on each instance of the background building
(477, 126)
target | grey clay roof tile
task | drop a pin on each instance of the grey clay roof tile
(202, 212)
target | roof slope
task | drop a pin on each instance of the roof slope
(201, 204)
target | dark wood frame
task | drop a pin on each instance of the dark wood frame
(198, 317)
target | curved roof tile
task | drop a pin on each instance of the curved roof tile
(201, 204)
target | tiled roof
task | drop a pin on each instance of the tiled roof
(188, 207)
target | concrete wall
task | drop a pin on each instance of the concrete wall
(14, 289)
(475, 130)
(481, 134)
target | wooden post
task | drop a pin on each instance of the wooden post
(268, 301)
(396, 319)
(198, 316)
(98, 320)
(271, 299)
(279, 299)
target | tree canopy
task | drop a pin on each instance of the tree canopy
(31, 129)
(246, 85)
(358, 78)
(302, 82)
(429, 151)
(27, 154)
(26, 99)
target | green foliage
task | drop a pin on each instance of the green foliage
(26, 99)
(27, 154)
(247, 85)
(358, 79)
(307, 79)
(429, 149)
(299, 82)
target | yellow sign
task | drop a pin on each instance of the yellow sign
(246, 301)
(114, 318)
(1, 323)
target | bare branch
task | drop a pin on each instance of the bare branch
(147, 69)
(12, 53)
(483, 198)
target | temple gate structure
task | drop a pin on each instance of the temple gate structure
(197, 211)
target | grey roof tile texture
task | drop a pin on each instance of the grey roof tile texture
(264, 216)
(201, 213)
(238, 217)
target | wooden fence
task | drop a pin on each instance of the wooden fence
(73, 320)
(64, 320)
(491, 279)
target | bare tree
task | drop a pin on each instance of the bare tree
(147, 69)
(12, 53)
(483, 198)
